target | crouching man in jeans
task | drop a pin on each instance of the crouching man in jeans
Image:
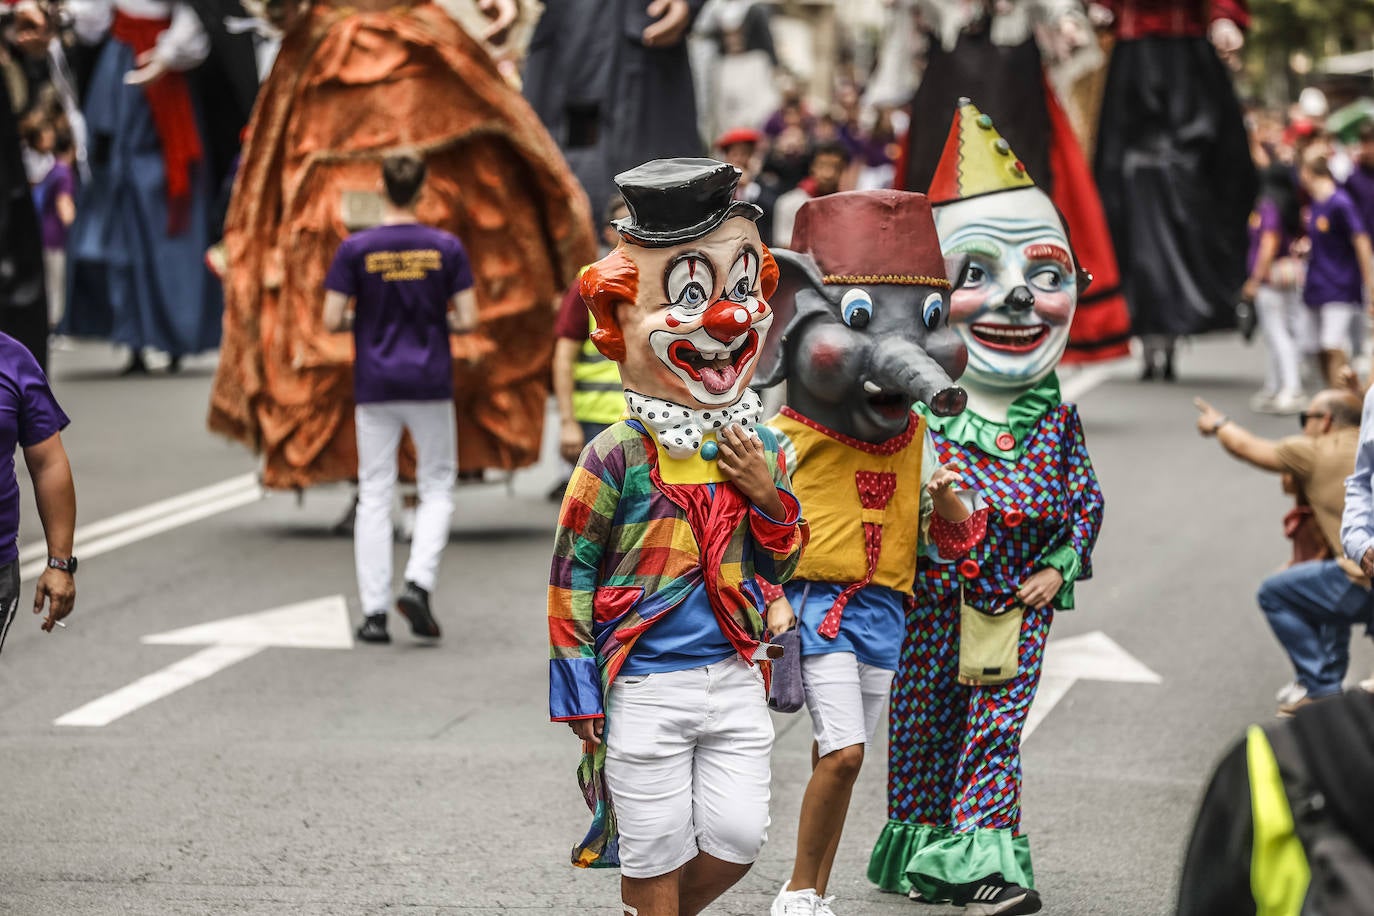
(1311, 606)
(654, 615)
(402, 288)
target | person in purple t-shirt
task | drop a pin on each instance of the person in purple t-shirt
(1340, 267)
(1360, 184)
(402, 288)
(31, 419)
(1274, 285)
(56, 212)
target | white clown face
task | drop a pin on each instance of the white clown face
(695, 333)
(1018, 297)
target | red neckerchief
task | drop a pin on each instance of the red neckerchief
(713, 518)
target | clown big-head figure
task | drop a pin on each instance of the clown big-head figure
(681, 303)
(1020, 282)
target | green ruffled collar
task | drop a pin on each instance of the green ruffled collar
(1005, 440)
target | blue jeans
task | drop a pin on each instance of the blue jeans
(1311, 608)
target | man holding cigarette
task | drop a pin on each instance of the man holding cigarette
(30, 418)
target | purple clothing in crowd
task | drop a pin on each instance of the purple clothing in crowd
(402, 277)
(1333, 271)
(1360, 187)
(1266, 218)
(57, 182)
(29, 414)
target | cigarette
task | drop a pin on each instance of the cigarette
(60, 624)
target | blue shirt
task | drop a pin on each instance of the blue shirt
(1357, 521)
(688, 636)
(873, 625)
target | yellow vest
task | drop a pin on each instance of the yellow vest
(824, 480)
(597, 395)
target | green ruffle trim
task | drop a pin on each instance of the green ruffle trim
(934, 859)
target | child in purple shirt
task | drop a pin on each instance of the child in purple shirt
(1340, 267)
(402, 287)
(1274, 284)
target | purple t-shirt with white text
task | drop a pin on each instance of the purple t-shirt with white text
(1333, 272)
(402, 277)
(29, 414)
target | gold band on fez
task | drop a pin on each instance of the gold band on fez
(885, 280)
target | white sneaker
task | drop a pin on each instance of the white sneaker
(1367, 685)
(823, 906)
(1290, 693)
(1290, 403)
(796, 903)
(1262, 401)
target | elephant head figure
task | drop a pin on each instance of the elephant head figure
(863, 304)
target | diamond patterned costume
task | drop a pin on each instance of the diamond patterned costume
(954, 769)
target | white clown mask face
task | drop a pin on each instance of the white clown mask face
(1019, 293)
(694, 335)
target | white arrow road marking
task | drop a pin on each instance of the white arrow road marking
(144, 522)
(1092, 657)
(321, 623)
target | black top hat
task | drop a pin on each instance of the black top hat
(673, 201)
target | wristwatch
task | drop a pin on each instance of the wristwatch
(67, 564)
(1216, 427)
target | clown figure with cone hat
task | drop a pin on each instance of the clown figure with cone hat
(976, 634)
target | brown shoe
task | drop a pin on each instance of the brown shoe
(1287, 710)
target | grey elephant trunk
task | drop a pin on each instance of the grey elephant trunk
(902, 365)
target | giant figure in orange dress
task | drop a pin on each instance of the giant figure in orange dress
(348, 86)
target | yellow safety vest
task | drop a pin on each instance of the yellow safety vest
(597, 394)
(1279, 873)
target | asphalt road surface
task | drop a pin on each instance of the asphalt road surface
(415, 779)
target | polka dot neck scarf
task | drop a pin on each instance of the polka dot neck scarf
(680, 430)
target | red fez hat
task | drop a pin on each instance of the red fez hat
(738, 135)
(867, 238)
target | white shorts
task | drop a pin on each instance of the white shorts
(687, 766)
(845, 698)
(1332, 326)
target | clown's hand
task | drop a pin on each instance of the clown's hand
(742, 461)
(781, 617)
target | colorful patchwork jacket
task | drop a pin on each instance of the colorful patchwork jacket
(630, 548)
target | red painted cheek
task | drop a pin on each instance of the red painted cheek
(1055, 308)
(670, 321)
(825, 357)
(964, 304)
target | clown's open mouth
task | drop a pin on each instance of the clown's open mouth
(719, 371)
(1009, 337)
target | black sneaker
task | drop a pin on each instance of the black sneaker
(373, 629)
(414, 606)
(995, 896)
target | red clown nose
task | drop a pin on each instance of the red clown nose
(726, 320)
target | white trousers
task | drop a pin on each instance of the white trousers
(431, 427)
(1335, 326)
(55, 275)
(1282, 319)
(845, 698)
(687, 766)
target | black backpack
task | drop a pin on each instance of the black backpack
(1326, 759)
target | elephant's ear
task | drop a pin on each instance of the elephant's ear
(956, 268)
(796, 272)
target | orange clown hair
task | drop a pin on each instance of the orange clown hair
(614, 281)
